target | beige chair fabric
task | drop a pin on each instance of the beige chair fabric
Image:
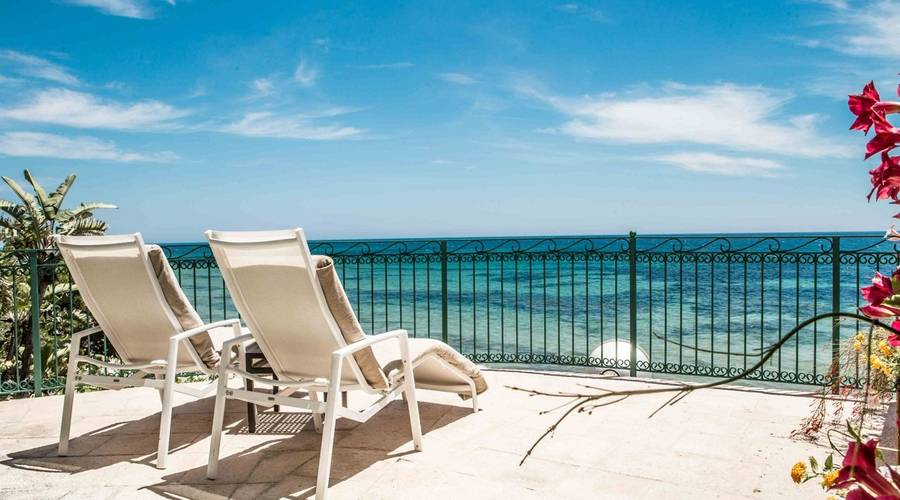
(351, 330)
(182, 309)
(425, 354)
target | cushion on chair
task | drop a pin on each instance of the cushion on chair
(352, 331)
(427, 356)
(182, 309)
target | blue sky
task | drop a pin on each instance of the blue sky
(385, 119)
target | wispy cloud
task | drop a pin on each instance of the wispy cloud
(734, 117)
(37, 67)
(305, 74)
(875, 29)
(137, 9)
(869, 28)
(458, 78)
(262, 87)
(268, 124)
(35, 144)
(82, 110)
(711, 163)
(393, 65)
(587, 12)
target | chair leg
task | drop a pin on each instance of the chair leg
(68, 402)
(412, 405)
(165, 419)
(215, 441)
(474, 402)
(275, 408)
(251, 408)
(409, 395)
(317, 417)
(327, 440)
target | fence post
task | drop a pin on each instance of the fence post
(444, 329)
(37, 373)
(836, 307)
(632, 301)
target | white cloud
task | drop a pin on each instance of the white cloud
(262, 87)
(305, 74)
(394, 65)
(78, 109)
(267, 124)
(123, 8)
(457, 78)
(37, 67)
(35, 144)
(711, 163)
(870, 28)
(731, 116)
(585, 11)
(875, 29)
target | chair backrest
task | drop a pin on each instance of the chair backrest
(117, 283)
(272, 280)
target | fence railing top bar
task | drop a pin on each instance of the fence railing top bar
(647, 243)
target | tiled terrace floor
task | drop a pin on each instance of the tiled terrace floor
(714, 444)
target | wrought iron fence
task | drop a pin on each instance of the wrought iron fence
(696, 305)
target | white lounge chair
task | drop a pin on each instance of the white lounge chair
(272, 280)
(133, 295)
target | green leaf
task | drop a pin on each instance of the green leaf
(814, 464)
(42, 197)
(16, 188)
(829, 462)
(84, 208)
(60, 194)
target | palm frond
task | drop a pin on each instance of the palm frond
(83, 226)
(42, 198)
(56, 199)
(83, 209)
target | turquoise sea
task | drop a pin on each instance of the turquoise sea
(704, 304)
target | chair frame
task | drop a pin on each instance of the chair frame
(324, 413)
(164, 372)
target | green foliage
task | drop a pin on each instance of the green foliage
(28, 223)
(31, 221)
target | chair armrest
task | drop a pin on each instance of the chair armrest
(75, 342)
(400, 335)
(240, 339)
(203, 328)
(77, 336)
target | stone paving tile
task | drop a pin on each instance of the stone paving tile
(715, 444)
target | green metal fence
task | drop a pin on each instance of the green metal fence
(698, 305)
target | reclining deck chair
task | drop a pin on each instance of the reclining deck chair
(135, 299)
(271, 278)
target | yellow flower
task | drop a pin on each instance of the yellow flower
(875, 362)
(885, 349)
(831, 497)
(798, 472)
(860, 337)
(857, 346)
(829, 478)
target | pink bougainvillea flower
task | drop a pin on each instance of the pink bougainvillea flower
(886, 178)
(859, 469)
(882, 288)
(886, 136)
(861, 106)
(893, 339)
(886, 107)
